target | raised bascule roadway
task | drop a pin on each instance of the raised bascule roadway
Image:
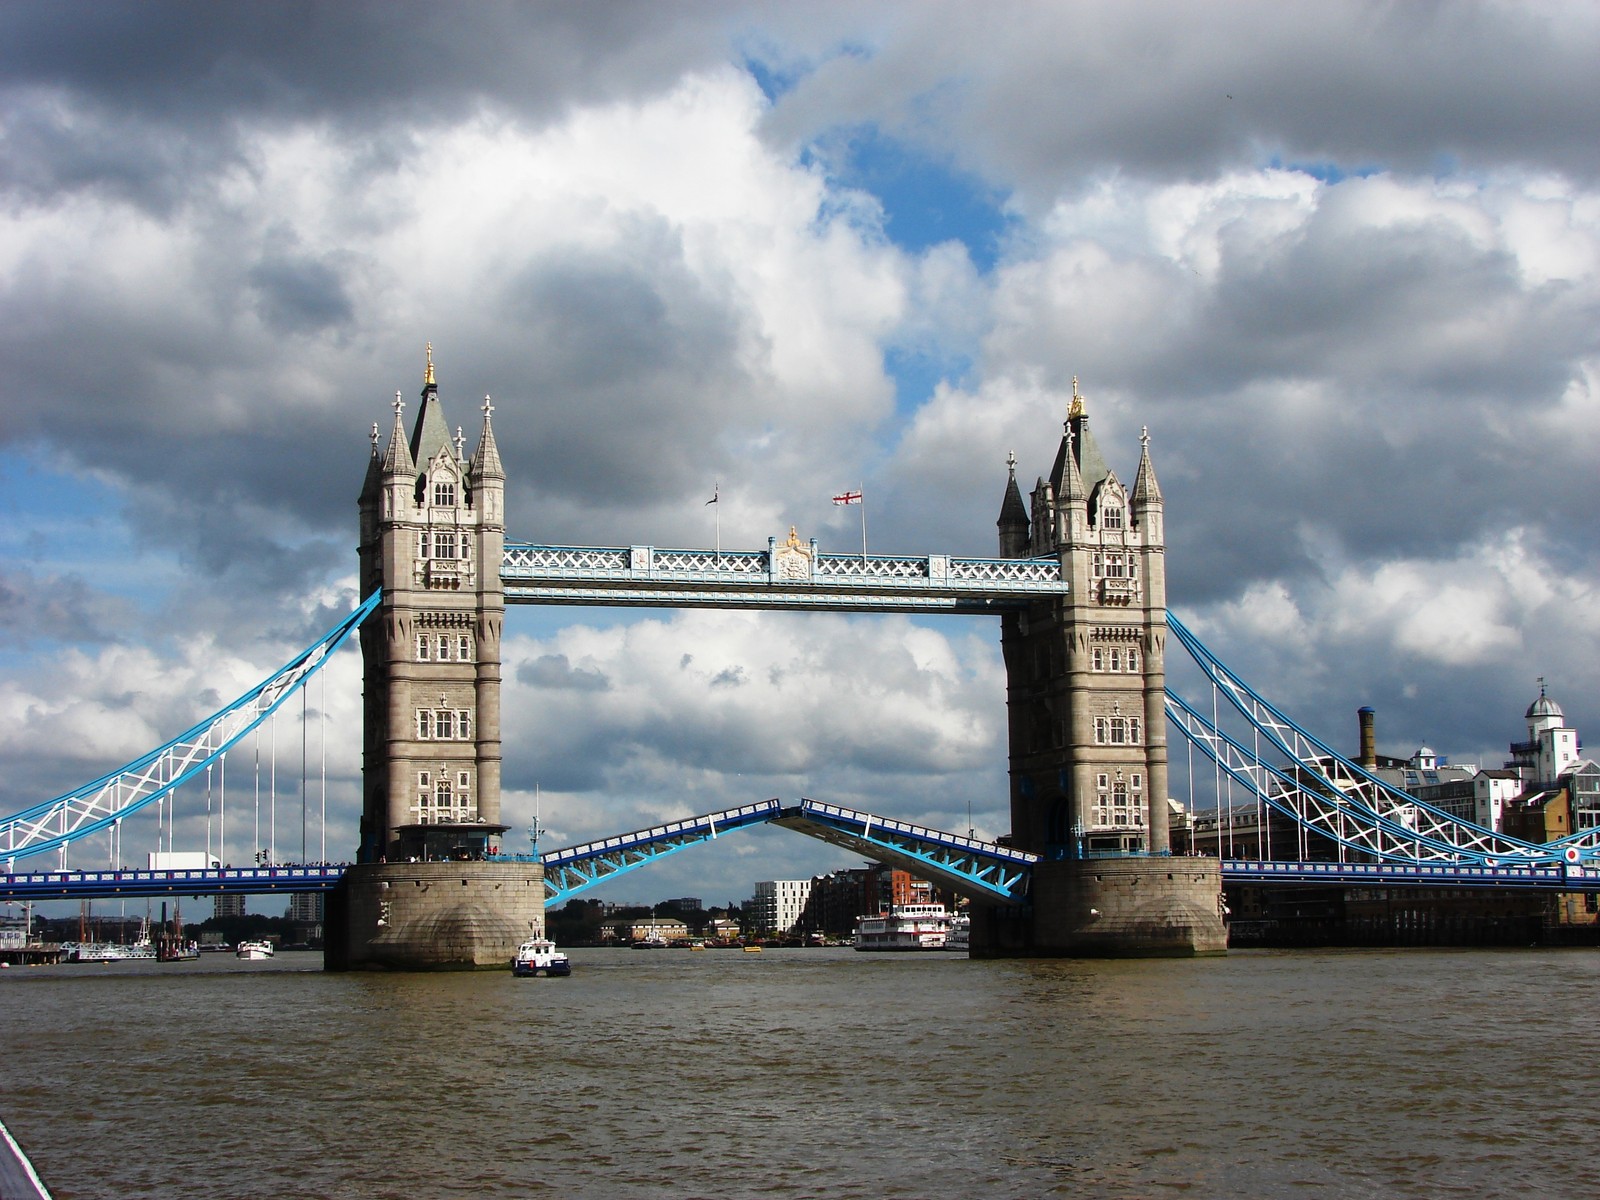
(1079, 589)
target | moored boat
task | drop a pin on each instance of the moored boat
(539, 956)
(254, 950)
(905, 927)
(960, 933)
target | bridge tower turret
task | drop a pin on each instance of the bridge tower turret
(433, 538)
(1086, 687)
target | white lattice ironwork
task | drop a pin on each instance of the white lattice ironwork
(652, 577)
(838, 566)
(520, 557)
(1330, 794)
(107, 800)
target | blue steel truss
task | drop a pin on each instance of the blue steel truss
(103, 803)
(215, 881)
(780, 577)
(568, 872)
(1327, 792)
(1560, 877)
(984, 871)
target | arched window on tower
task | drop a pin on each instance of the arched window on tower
(442, 797)
(444, 493)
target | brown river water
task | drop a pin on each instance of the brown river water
(800, 1073)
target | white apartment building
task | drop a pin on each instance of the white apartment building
(778, 904)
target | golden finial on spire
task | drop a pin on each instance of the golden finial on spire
(427, 378)
(1076, 408)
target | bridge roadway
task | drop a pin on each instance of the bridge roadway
(791, 575)
(987, 872)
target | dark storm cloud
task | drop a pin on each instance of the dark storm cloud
(299, 294)
(123, 94)
(36, 609)
(1057, 94)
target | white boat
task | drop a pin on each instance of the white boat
(960, 933)
(539, 956)
(254, 950)
(905, 927)
(102, 952)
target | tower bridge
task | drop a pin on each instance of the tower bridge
(1078, 588)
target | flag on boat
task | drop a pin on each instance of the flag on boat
(847, 498)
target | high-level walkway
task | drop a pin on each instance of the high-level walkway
(791, 575)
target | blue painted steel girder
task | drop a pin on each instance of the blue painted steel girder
(570, 871)
(987, 872)
(1555, 877)
(216, 881)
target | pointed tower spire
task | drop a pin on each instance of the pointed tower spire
(371, 484)
(486, 459)
(397, 459)
(431, 434)
(1013, 522)
(1146, 491)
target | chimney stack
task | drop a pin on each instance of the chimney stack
(1369, 738)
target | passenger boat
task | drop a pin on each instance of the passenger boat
(539, 956)
(650, 943)
(960, 933)
(905, 927)
(254, 950)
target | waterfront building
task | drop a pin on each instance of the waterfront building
(228, 905)
(778, 905)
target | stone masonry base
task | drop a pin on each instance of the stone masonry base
(1110, 908)
(434, 916)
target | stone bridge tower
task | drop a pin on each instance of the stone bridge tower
(433, 538)
(1085, 695)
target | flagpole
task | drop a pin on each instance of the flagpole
(862, 489)
(716, 495)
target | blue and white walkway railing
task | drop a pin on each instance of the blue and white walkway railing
(568, 872)
(982, 870)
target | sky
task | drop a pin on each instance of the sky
(1343, 261)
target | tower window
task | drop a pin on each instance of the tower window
(1097, 659)
(444, 494)
(1119, 730)
(444, 647)
(1133, 660)
(1111, 517)
(464, 648)
(441, 792)
(1116, 660)
(466, 546)
(448, 724)
(424, 647)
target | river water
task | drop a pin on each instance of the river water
(800, 1073)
